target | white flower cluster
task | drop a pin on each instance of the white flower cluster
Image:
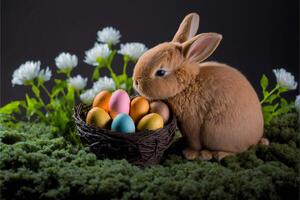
(28, 71)
(66, 62)
(98, 51)
(285, 79)
(77, 82)
(103, 83)
(109, 35)
(134, 50)
(45, 74)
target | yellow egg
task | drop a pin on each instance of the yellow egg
(98, 117)
(139, 107)
(152, 121)
(102, 100)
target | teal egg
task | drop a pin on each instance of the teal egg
(123, 123)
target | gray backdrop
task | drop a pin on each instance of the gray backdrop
(258, 35)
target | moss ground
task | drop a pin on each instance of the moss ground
(35, 164)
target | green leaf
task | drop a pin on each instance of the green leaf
(283, 102)
(264, 82)
(267, 119)
(59, 86)
(35, 90)
(122, 78)
(33, 108)
(282, 89)
(12, 107)
(59, 118)
(70, 97)
(281, 111)
(96, 74)
(268, 109)
(271, 98)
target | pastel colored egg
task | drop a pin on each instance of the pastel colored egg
(139, 107)
(119, 103)
(152, 121)
(97, 116)
(160, 108)
(102, 100)
(123, 123)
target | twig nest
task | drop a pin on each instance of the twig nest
(142, 148)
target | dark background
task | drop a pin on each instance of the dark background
(258, 35)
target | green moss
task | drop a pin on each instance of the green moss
(35, 164)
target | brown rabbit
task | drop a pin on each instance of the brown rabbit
(218, 110)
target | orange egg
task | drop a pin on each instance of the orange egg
(102, 100)
(139, 107)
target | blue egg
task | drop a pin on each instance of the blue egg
(123, 123)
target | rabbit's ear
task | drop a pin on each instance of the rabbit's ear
(201, 46)
(187, 29)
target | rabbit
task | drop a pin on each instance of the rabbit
(217, 109)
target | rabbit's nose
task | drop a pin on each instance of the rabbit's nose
(136, 82)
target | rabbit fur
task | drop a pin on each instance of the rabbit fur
(218, 110)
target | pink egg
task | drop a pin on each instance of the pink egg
(119, 103)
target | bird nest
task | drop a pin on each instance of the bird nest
(141, 148)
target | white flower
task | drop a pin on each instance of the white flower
(98, 51)
(109, 35)
(297, 103)
(104, 83)
(133, 50)
(88, 96)
(77, 82)
(26, 72)
(285, 79)
(66, 62)
(45, 74)
(123, 86)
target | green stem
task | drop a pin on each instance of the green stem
(46, 90)
(272, 91)
(69, 74)
(112, 73)
(96, 73)
(77, 93)
(126, 60)
(37, 96)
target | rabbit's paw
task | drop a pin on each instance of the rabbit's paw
(264, 141)
(206, 155)
(190, 154)
(219, 155)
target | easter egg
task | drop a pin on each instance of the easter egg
(102, 100)
(123, 123)
(152, 121)
(139, 107)
(160, 108)
(119, 103)
(98, 117)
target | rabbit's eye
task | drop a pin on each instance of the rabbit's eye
(160, 72)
